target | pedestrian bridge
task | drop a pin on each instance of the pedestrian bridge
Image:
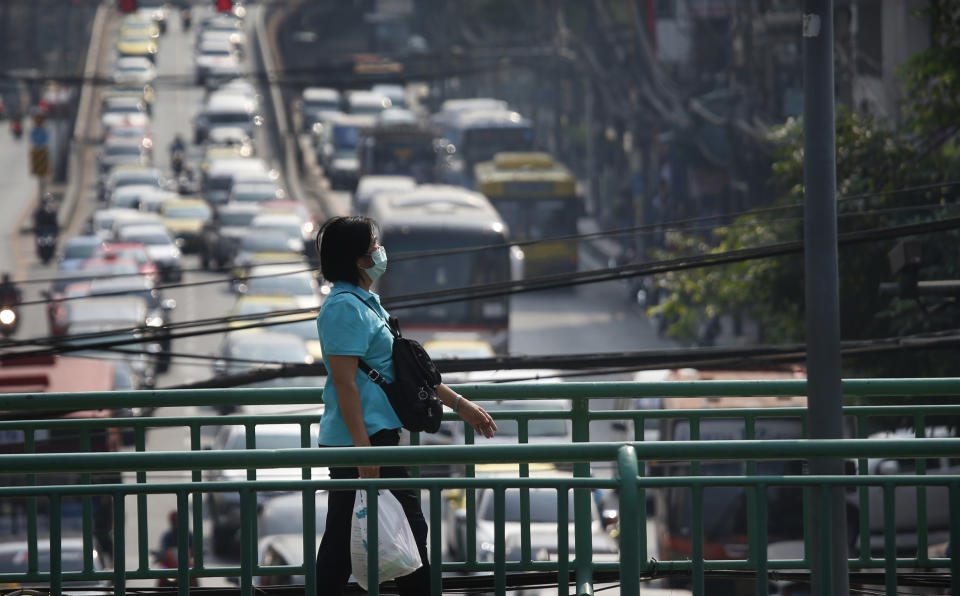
(669, 469)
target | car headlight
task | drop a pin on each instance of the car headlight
(486, 552)
(154, 322)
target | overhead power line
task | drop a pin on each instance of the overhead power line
(498, 289)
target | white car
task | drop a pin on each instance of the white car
(216, 59)
(289, 224)
(130, 70)
(280, 535)
(160, 245)
(285, 280)
(130, 175)
(123, 111)
(367, 102)
(372, 185)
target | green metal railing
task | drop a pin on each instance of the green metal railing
(631, 478)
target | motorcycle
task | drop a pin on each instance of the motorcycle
(185, 18)
(17, 128)
(176, 162)
(9, 320)
(46, 245)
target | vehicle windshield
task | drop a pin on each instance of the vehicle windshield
(346, 137)
(236, 219)
(149, 238)
(288, 230)
(305, 330)
(297, 284)
(536, 218)
(122, 150)
(481, 144)
(273, 521)
(321, 105)
(207, 51)
(219, 118)
(266, 243)
(254, 195)
(543, 506)
(404, 159)
(194, 212)
(16, 562)
(80, 250)
(122, 109)
(447, 271)
(267, 439)
(147, 179)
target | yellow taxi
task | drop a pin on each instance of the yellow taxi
(138, 45)
(185, 219)
(303, 326)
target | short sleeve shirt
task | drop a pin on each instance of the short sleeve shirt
(348, 327)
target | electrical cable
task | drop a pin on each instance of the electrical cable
(643, 229)
(500, 289)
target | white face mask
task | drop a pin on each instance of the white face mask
(379, 257)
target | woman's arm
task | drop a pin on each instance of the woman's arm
(343, 373)
(470, 412)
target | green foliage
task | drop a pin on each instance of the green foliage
(871, 159)
(932, 76)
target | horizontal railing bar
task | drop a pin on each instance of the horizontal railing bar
(777, 450)
(466, 483)
(904, 388)
(239, 420)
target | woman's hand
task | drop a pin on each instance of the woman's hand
(476, 417)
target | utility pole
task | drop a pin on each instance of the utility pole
(824, 395)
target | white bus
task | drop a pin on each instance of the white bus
(452, 221)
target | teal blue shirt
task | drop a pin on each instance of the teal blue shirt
(349, 328)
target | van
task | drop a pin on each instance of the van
(235, 110)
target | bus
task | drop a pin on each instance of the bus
(725, 509)
(54, 374)
(472, 137)
(401, 150)
(537, 197)
(450, 220)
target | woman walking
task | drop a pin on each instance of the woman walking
(353, 326)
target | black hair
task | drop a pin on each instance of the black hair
(340, 242)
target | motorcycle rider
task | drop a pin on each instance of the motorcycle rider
(9, 292)
(45, 216)
(177, 150)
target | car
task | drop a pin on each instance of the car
(74, 251)
(223, 27)
(303, 327)
(223, 232)
(280, 535)
(254, 192)
(137, 24)
(122, 176)
(133, 70)
(111, 312)
(139, 45)
(397, 94)
(122, 152)
(273, 247)
(226, 108)
(131, 196)
(129, 217)
(185, 219)
(153, 201)
(14, 558)
(215, 60)
(367, 103)
(542, 524)
(292, 224)
(158, 308)
(155, 10)
(137, 252)
(231, 136)
(285, 280)
(314, 101)
(97, 267)
(122, 111)
(309, 224)
(140, 133)
(339, 148)
(160, 246)
(371, 185)
(219, 178)
(224, 507)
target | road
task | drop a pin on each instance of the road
(585, 319)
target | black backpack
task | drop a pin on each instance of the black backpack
(413, 393)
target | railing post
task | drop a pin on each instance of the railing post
(56, 554)
(627, 472)
(583, 537)
(373, 541)
(119, 544)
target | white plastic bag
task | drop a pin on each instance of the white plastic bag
(398, 554)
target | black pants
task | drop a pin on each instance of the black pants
(333, 556)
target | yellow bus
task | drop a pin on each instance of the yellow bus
(537, 198)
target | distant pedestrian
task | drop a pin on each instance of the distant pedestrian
(353, 325)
